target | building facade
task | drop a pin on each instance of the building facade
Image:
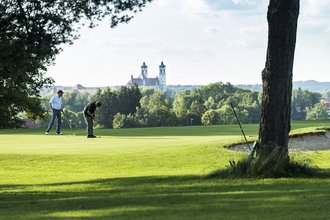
(145, 80)
(326, 103)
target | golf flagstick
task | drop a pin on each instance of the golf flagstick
(240, 126)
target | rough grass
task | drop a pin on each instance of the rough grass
(252, 168)
(156, 173)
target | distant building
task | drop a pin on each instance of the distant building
(79, 87)
(326, 102)
(144, 80)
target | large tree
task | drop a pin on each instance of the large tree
(31, 35)
(277, 83)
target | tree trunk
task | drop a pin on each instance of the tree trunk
(277, 82)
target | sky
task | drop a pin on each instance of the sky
(199, 41)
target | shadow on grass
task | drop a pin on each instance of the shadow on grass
(178, 197)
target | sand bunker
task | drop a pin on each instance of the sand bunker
(310, 142)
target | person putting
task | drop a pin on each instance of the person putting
(89, 115)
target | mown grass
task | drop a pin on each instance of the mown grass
(149, 173)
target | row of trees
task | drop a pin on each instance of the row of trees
(135, 107)
(148, 107)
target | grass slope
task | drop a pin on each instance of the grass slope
(149, 173)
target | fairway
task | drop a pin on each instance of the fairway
(147, 173)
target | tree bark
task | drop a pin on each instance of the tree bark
(274, 129)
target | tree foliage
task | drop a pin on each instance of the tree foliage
(193, 107)
(317, 112)
(124, 101)
(155, 110)
(211, 117)
(327, 95)
(75, 101)
(129, 99)
(31, 35)
(302, 100)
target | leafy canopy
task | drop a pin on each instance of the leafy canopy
(31, 35)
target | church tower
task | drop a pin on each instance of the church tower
(144, 70)
(144, 73)
(162, 75)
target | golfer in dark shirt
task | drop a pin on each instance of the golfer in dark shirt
(89, 115)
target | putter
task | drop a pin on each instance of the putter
(93, 118)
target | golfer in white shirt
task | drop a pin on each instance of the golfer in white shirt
(55, 103)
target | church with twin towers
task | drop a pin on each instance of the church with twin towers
(145, 80)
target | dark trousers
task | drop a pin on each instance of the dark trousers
(55, 114)
(89, 122)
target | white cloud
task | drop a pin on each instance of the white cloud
(212, 30)
(313, 27)
(328, 43)
(254, 29)
(195, 7)
(246, 44)
(314, 17)
(162, 3)
(237, 44)
(188, 51)
(315, 7)
(222, 8)
(247, 2)
(235, 5)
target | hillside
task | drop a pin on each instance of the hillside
(171, 90)
(310, 85)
